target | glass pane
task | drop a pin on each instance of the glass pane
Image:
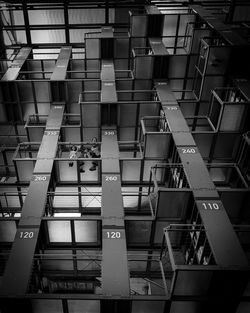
(48, 306)
(84, 306)
(38, 17)
(59, 231)
(148, 306)
(48, 36)
(86, 16)
(86, 231)
(138, 231)
(7, 231)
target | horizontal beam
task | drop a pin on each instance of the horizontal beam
(221, 234)
(16, 281)
(157, 46)
(108, 93)
(62, 63)
(13, 71)
(115, 273)
(107, 70)
(107, 32)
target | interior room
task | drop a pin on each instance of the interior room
(125, 156)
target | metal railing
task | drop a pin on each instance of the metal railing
(82, 273)
(147, 275)
(187, 244)
(69, 204)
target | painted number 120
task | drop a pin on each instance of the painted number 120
(26, 234)
(113, 234)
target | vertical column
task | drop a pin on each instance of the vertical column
(239, 47)
(58, 88)
(107, 43)
(19, 267)
(151, 62)
(108, 93)
(9, 88)
(155, 21)
(62, 63)
(115, 274)
(161, 58)
(16, 281)
(222, 238)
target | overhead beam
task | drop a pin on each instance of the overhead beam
(60, 70)
(17, 64)
(16, 281)
(221, 235)
(115, 273)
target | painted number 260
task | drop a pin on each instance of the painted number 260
(110, 178)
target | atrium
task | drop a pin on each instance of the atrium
(125, 156)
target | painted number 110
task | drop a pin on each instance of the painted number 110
(210, 206)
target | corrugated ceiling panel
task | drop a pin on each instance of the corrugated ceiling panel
(86, 16)
(48, 36)
(38, 17)
(77, 35)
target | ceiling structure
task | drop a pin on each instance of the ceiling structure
(125, 159)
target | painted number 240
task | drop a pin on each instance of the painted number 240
(188, 150)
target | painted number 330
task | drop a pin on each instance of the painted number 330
(109, 133)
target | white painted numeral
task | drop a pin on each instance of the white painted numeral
(113, 234)
(172, 108)
(110, 178)
(40, 178)
(188, 150)
(51, 133)
(109, 133)
(26, 234)
(210, 206)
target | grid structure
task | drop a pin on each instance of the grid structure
(125, 158)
